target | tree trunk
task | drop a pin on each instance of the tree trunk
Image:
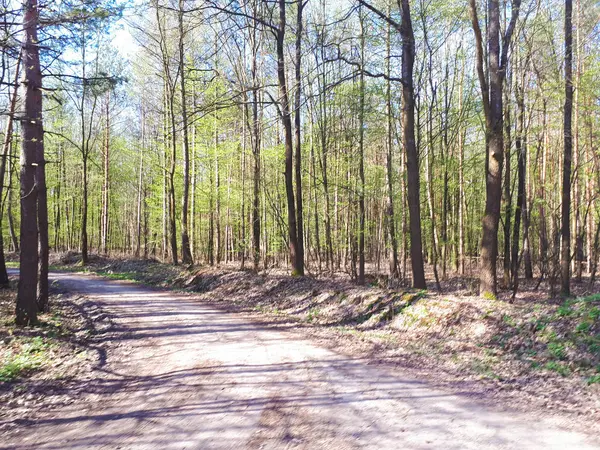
(256, 179)
(494, 157)
(544, 257)
(565, 254)
(140, 189)
(173, 165)
(84, 213)
(297, 122)
(410, 147)
(284, 105)
(493, 109)
(256, 143)
(44, 245)
(84, 157)
(361, 158)
(105, 186)
(313, 177)
(186, 252)
(394, 271)
(43, 239)
(520, 211)
(32, 133)
(577, 219)
(461, 185)
(507, 197)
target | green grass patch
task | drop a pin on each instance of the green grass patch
(30, 354)
(123, 276)
(313, 314)
(558, 367)
(594, 379)
(557, 350)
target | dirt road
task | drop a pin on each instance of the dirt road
(178, 374)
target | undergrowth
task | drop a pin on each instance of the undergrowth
(26, 355)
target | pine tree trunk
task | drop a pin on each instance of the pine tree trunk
(32, 133)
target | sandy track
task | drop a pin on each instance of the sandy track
(179, 374)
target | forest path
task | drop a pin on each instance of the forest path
(180, 374)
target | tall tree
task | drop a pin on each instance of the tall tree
(389, 166)
(186, 252)
(255, 42)
(410, 147)
(405, 29)
(32, 137)
(565, 253)
(298, 130)
(492, 83)
(284, 111)
(361, 154)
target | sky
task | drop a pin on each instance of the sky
(123, 41)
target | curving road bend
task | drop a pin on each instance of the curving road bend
(180, 374)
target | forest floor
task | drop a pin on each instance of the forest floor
(272, 361)
(42, 367)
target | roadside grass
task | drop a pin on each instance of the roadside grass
(22, 352)
(52, 348)
(123, 276)
(26, 355)
(564, 340)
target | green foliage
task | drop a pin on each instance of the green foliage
(508, 320)
(594, 313)
(125, 276)
(583, 327)
(31, 355)
(565, 309)
(313, 314)
(558, 367)
(484, 367)
(489, 295)
(557, 350)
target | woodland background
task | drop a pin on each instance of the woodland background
(268, 134)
